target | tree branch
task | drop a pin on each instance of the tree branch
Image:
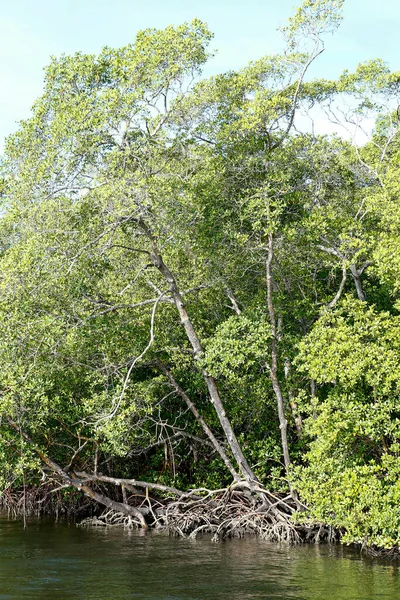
(217, 446)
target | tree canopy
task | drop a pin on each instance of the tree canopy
(195, 286)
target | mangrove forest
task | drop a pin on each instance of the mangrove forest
(200, 292)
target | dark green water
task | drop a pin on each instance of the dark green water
(61, 561)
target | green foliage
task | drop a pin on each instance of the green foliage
(351, 475)
(129, 151)
(313, 18)
(238, 345)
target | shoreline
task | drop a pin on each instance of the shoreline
(215, 516)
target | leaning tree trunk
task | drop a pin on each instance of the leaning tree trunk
(157, 261)
(217, 446)
(80, 484)
(273, 368)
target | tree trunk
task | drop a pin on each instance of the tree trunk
(217, 446)
(79, 484)
(274, 356)
(297, 418)
(157, 260)
(356, 275)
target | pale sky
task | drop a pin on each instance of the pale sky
(33, 30)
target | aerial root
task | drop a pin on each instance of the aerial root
(111, 518)
(225, 513)
(238, 510)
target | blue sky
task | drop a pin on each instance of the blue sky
(33, 30)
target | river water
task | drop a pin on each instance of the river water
(60, 561)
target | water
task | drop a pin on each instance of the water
(60, 561)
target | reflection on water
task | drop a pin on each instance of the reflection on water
(61, 561)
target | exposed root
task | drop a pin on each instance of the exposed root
(239, 510)
(229, 513)
(384, 553)
(243, 508)
(43, 500)
(225, 513)
(111, 518)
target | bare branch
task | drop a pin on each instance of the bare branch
(134, 362)
(217, 446)
(235, 305)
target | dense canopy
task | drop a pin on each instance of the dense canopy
(196, 287)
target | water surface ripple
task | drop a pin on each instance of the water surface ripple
(60, 561)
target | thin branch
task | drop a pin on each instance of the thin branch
(133, 482)
(128, 248)
(130, 306)
(332, 251)
(217, 446)
(134, 362)
(313, 57)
